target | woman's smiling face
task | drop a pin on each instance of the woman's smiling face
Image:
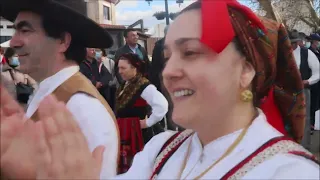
(202, 84)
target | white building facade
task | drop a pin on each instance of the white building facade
(157, 31)
(6, 30)
(102, 11)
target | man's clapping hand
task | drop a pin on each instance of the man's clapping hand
(62, 149)
(54, 147)
(17, 142)
(11, 119)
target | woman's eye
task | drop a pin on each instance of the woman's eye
(190, 53)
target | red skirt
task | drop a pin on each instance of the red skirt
(131, 141)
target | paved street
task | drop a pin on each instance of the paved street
(315, 144)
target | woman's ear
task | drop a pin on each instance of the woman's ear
(247, 75)
(135, 70)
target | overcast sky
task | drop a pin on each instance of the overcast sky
(129, 11)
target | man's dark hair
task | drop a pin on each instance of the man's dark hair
(9, 53)
(126, 32)
(76, 52)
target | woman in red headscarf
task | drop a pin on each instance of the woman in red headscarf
(235, 87)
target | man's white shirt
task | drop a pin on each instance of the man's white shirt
(94, 120)
(313, 64)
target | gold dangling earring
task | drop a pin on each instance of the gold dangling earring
(246, 96)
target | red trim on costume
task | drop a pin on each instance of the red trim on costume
(140, 103)
(167, 156)
(272, 112)
(4, 60)
(169, 141)
(246, 160)
(305, 155)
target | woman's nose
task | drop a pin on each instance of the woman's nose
(173, 69)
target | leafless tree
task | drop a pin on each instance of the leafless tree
(295, 14)
(266, 7)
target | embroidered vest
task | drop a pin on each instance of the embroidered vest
(275, 146)
(78, 83)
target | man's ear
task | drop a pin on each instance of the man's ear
(247, 75)
(65, 42)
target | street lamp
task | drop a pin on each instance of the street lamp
(167, 15)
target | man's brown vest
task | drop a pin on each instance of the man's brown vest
(78, 83)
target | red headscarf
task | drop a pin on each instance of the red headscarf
(267, 47)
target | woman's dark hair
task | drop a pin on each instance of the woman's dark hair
(104, 52)
(9, 53)
(76, 52)
(135, 61)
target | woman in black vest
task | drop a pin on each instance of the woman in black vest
(133, 101)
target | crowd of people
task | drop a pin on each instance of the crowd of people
(306, 55)
(243, 94)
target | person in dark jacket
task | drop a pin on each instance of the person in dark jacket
(131, 36)
(314, 89)
(315, 44)
(100, 77)
(104, 76)
(308, 66)
(157, 65)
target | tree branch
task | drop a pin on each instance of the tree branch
(314, 16)
(267, 6)
(308, 23)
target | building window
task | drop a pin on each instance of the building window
(4, 39)
(10, 27)
(106, 12)
(1, 26)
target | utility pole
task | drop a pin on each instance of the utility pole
(167, 8)
(167, 12)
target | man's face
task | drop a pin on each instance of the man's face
(316, 44)
(90, 53)
(36, 51)
(132, 37)
(300, 43)
(294, 45)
